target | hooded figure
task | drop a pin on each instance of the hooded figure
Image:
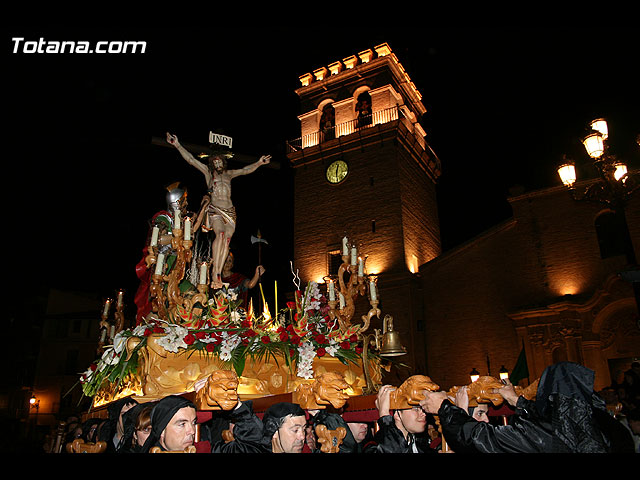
(127, 443)
(333, 421)
(247, 431)
(109, 432)
(161, 415)
(274, 419)
(566, 417)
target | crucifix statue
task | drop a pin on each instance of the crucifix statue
(221, 214)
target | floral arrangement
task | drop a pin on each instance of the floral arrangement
(298, 333)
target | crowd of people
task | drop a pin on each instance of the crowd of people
(566, 416)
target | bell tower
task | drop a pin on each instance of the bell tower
(363, 169)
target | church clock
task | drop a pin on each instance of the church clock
(337, 171)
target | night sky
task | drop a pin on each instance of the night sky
(83, 176)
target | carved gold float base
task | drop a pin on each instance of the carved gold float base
(161, 373)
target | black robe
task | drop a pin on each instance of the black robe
(567, 416)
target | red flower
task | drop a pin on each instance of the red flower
(321, 352)
(295, 339)
(250, 333)
(201, 335)
(353, 338)
(345, 345)
(147, 332)
(284, 336)
(246, 324)
(265, 339)
(210, 347)
(358, 350)
(189, 339)
(93, 367)
(321, 339)
(291, 305)
(158, 329)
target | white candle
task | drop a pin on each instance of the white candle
(341, 300)
(154, 236)
(187, 228)
(360, 266)
(105, 312)
(159, 264)
(120, 297)
(332, 292)
(354, 255)
(203, 273)
(345, 246)
(176, 222)
(372, 289)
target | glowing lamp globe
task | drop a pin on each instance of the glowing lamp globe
(600, 125)
(594, 144)
(567, 174)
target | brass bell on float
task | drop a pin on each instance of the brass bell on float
(391, 345)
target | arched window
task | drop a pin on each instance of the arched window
(327, 123)
(363, 110)
(613, 234)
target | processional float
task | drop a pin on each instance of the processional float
(205, 344)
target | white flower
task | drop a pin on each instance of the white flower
(140, 329)
(225, 355)
(312, 297)
(109, 357)
(86, 376)
(119, 342)
(232, 294)
(174, 338)
(305, 364)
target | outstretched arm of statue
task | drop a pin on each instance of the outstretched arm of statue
(186, 154)
(256, 276)
(263, 160)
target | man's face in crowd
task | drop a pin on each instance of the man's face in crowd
(414, 419)
(358, 430)
(289, 438)
(480, 413)
(180, 431)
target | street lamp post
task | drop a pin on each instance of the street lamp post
(613, 189)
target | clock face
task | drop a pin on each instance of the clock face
(337, 171)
